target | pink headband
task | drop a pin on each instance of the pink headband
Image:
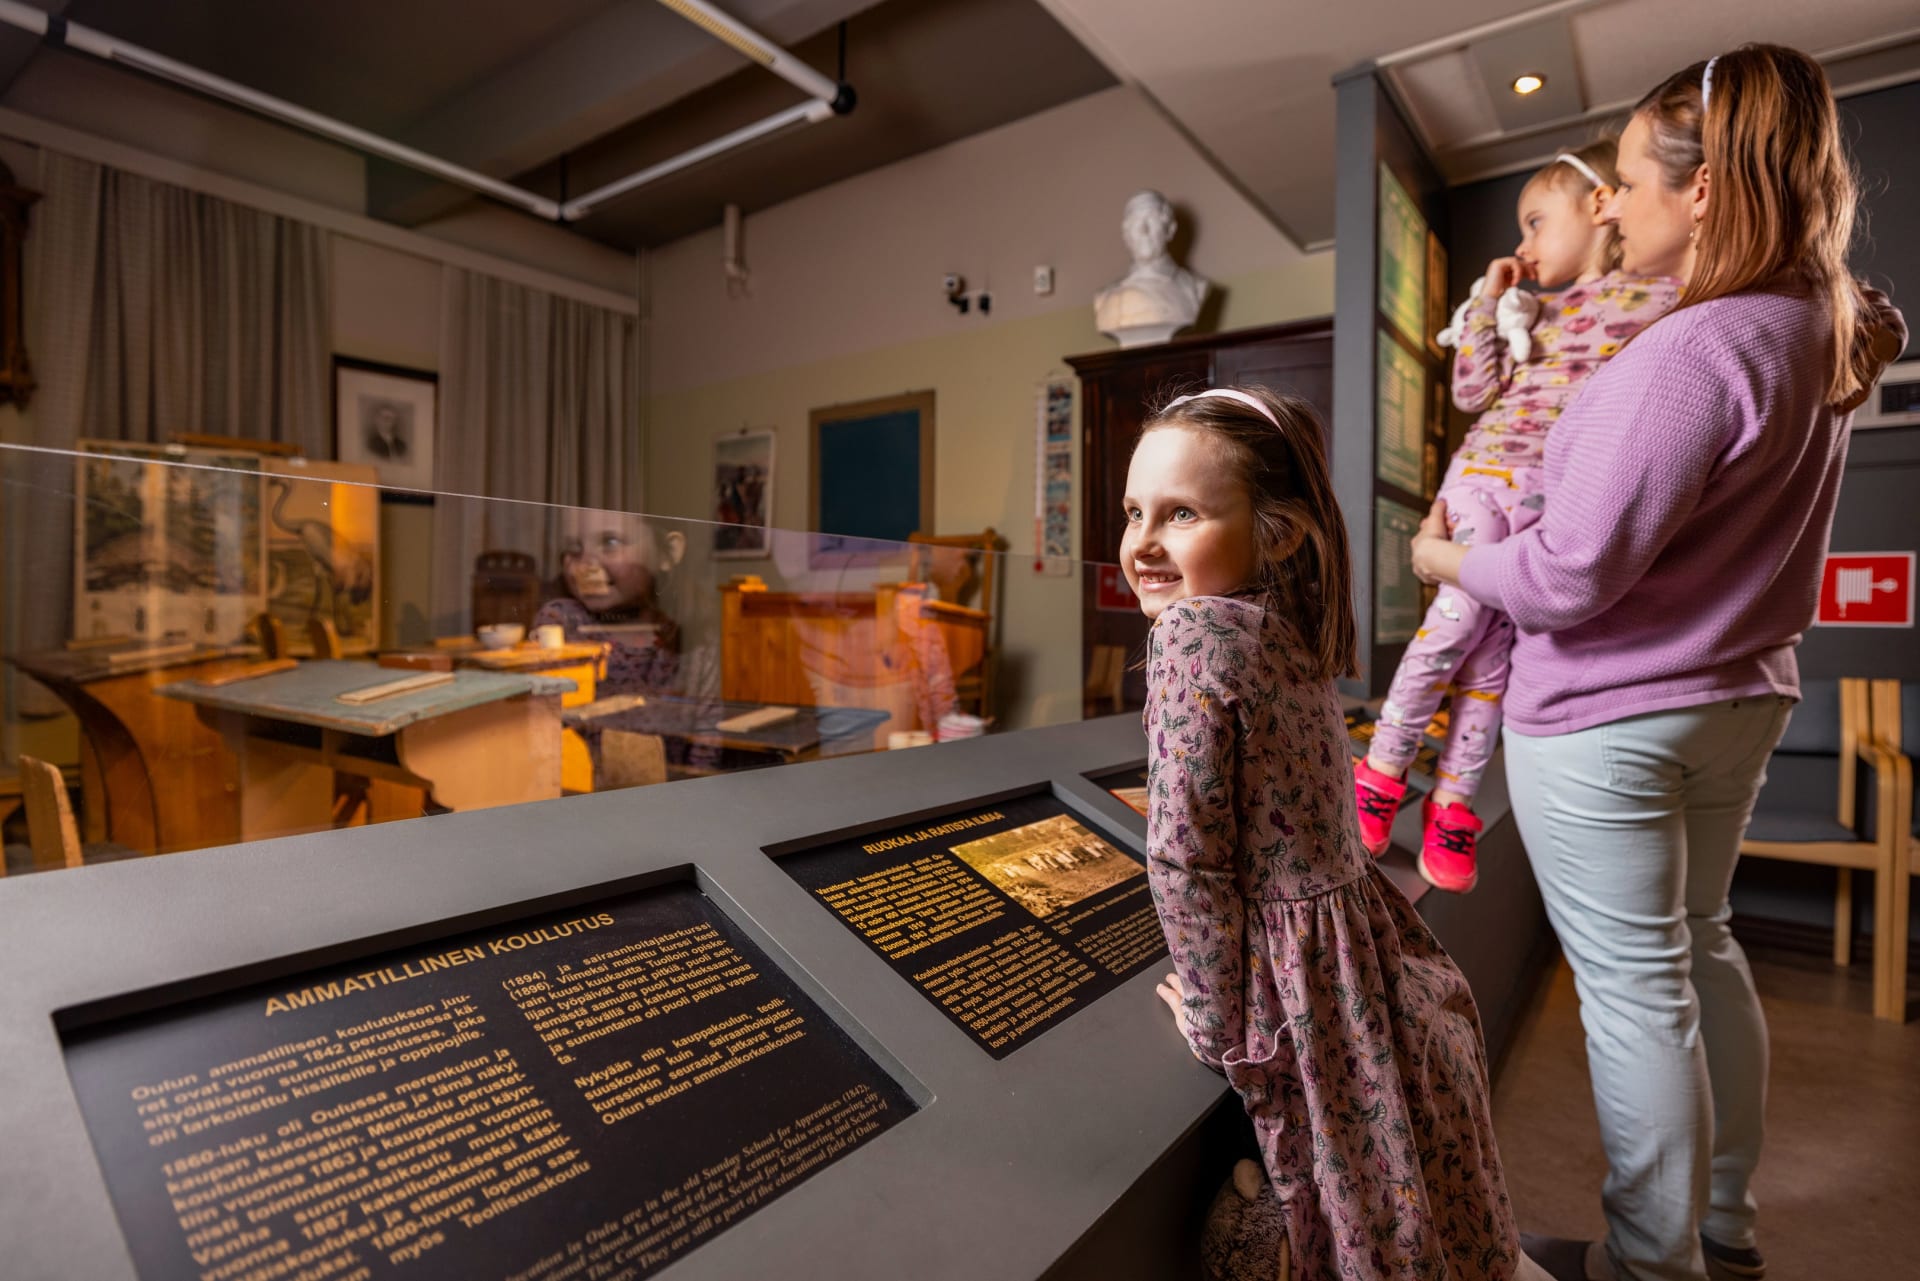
(1228, 393)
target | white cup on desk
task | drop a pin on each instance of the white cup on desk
(550, 636)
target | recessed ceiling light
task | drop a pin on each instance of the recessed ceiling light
(1529, 83)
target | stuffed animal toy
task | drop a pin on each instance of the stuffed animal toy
(1245, 1237)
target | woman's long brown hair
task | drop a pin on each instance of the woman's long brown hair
(1304, 564)
(1780, 213)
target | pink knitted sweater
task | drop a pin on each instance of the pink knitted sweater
(1689, 493)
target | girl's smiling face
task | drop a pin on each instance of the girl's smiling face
(1190, 527)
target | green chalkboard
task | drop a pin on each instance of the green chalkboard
(872, 476)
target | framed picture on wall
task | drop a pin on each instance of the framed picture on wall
(743, 495)
(384, 417)
(871, 479)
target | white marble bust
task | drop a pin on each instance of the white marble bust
(1158, 297)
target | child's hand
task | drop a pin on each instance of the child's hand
(1170, 991)
(1504, 273)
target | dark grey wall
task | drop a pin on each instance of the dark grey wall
(1879, 128)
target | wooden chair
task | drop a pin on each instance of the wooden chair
(506, 588)
(628, 759)
(273, 636)
(1797, 818)
(1895, 716)
(51, 832)
(965, 570)
(1106, 679)
(324, 637)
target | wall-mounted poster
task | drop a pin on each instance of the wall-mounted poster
(1396, 591)
(1053, 479)
(1403, 259)
(1400, 416)
(1437, 309)
(743, 495)
(167, 543)
(871, 479)
(383, 417)
(323, 551)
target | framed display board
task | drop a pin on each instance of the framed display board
(1010, 917)
(1396, 591)
(1400, 416)
(871, 478)
(1403, 259)
(323, 550)
(608, 1086)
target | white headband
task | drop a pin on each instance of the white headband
(1568, 158)
(1706, 83)
(1229, 393)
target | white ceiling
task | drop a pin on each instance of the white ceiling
(1251, 80)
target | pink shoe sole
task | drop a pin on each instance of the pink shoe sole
(1441, 881)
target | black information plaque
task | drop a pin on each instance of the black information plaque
(584, 1094)
(1127, 785)
(1010, 917)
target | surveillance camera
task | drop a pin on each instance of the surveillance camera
(952, 283)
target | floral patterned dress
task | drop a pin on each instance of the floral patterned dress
(1311, 982)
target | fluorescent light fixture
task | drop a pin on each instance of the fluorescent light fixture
(825, 99)
(1527, 83)
(806, 113)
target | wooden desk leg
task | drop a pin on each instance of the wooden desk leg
(500, 753)
(279, 795)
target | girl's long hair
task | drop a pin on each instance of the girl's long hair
(1780, 214)
(1305, 569)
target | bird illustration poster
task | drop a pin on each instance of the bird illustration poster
(323, 550)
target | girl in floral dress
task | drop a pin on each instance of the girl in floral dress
(1300, 971)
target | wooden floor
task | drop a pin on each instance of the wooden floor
(1839, 1185)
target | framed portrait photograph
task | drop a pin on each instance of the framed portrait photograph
(743, 495)
(384, 417)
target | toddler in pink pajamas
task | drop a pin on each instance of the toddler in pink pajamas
(1521, 359)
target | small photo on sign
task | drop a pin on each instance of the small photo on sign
(1050, 865)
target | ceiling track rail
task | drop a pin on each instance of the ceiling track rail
(826, 99)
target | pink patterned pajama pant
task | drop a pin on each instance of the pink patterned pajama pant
(1461, 643)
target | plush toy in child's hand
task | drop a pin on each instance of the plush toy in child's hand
(1245, 1236)
(1513, 318)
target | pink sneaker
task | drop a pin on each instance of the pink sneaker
(1447, 837)
(1377, 796)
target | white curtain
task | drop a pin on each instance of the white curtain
(538, 403)
(153, 310)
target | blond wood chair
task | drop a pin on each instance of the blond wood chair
(51, 831)
(1895, 716)
(628, 759)
(1843, 837)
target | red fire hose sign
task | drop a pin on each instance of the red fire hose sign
(1867, 589)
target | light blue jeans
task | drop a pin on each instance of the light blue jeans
(1633, 830)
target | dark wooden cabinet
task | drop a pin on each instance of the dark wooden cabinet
(1116, 389)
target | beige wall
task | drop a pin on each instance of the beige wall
(845, 305)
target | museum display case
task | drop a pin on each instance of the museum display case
(892, 1005)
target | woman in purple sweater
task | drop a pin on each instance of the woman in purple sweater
(1690, 490)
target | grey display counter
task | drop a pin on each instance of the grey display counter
(1089, 1151)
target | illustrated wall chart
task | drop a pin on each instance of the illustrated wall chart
(588, 1092)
